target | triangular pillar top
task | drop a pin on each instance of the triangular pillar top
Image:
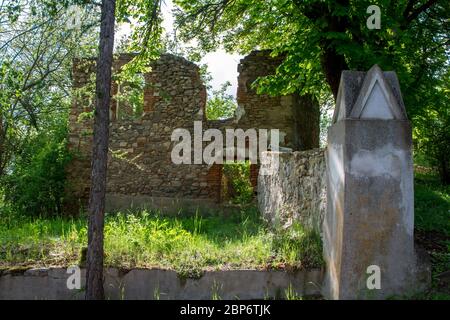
(369, 95)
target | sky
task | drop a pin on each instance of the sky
(221, 65)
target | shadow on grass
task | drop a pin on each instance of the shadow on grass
(148, 239)
(432, 231)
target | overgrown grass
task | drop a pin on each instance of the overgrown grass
(432, 224)
(188, 245)
(432, 203)
(191, 245)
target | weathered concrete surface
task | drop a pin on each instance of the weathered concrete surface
(148, 284)
(296, 191)
(370, 215)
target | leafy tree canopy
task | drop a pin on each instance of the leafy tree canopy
(321, 38)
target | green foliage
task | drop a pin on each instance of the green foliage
(305, 30)
(326, 103)
(432, 229)
(220, 105)
(239, 187)
(36, 51)
(145, 19)
(320, 38)
(11, 127)
(35, 182)
(431, 131)
(291, 294)
(431, 204)
(130, 98)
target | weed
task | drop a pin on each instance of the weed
(188, 245)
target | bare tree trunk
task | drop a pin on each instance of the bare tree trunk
(332, 62)
(94, 275)
(307, 122)
(444, 170)
(332, 65)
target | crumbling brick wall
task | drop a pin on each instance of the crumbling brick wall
(296, 116)
(174, 97)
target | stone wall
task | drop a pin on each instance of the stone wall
(296, 191)
(296, 117)
(139, 161)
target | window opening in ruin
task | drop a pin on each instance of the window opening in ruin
(220, 104)
(236, 185)
(130, 98)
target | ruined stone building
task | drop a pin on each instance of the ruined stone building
(140, 169)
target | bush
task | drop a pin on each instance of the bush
(431, 130)
(221, 105)
(35, 182)
(238, 188)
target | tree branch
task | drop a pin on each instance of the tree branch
(415, 13)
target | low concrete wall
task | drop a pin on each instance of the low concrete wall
(148, 284)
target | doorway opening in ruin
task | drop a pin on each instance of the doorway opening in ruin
(238, 182)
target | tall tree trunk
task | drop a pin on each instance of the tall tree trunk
(332, 65)
(444, 170)
(307, 122)
(94, 275)
(332, 62)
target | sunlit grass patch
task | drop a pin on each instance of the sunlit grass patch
(189, 245)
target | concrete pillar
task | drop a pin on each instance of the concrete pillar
(369, 223)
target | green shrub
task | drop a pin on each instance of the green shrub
(221, 105)
(239, 188)
(431, 203)
(35, 183)
(431, 134)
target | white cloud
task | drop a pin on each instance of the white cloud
(223, 67)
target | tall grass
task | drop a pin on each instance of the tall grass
(432, 223)
(188, 245)
(431, 203)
